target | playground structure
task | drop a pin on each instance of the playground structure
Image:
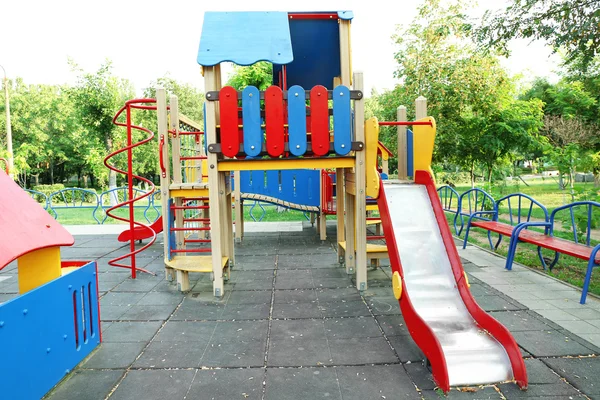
(54, 323)
(313, 119)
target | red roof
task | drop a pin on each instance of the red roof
(24, 225)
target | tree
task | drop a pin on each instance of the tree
(97, 97)
(259, 75)
(572, 25)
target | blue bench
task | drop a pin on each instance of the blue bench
(449, 199)
(470, 202)
(74, 198)
(520, 208)
(578, 212)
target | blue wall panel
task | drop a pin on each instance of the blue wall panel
(297, 120)
(38, 343)
(298, 186)
(410, 169)
(342, 140)
(253, 136)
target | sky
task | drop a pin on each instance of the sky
(150, 39)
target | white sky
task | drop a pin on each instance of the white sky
(148, 39)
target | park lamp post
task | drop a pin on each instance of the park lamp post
(9, 147)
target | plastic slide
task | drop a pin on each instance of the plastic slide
(464, 344)
(141, 232)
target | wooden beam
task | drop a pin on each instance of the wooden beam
(360, 198)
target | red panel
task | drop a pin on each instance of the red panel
(483, 319)
(230, 140)
(498, 227)
(274, 120)
(313, 15)
(421, 333)
(25, 225)
(141, 232)
(319, 120)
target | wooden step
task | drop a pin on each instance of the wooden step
(193, 263)
(373, 250)
(188, 186)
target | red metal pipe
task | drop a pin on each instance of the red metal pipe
(191, 133)
(197, 240)
(404, 123)
(5, 165)
(313, 15)
(189, 207)
(130, 189)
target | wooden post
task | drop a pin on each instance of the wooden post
(360, 182)
(239, 208)
(346, 80)
(215, 184)
(420, 107)
(165, 175)
(402, 151)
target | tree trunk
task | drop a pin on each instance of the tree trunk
(472, 173)
(51, 173)
(490, 168)
(561, 181)
(112, 175)
(85, 181)
(572, 179)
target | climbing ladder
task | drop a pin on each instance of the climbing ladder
(184, 196)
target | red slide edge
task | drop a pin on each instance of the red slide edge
(483, 319)
(421, 333)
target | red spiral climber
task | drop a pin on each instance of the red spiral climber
(138, 104)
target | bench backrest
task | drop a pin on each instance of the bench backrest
(580, 219)
(39, 197)
(518, 207)
(474, 200)
(74, 198)
(449, 198)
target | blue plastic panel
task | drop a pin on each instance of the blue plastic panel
(245, 38)
(316, 45)
(298, 186)
(37, 333)
(409, 153)
(342, 140)
(253, 137)
(297, 120)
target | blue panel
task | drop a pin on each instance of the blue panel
(37, 333)
(297, 120)
(253, 137)
(299, 186)
(316, 45)
(341, 120)
(245, 38)
(409, 153)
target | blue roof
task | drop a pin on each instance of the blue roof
(245, 38)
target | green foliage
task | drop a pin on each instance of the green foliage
(259, 75)
(572, 25)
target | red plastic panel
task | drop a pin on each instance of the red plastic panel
(26, 226)
(274, 120)
(230, 140)
(319, 120)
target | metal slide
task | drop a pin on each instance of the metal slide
(464, 345)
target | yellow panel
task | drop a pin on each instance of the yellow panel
(371, 248)
(286, 163)
(372, 207)
(188, 193)
(194, 263)
(423, 141)
(38, 267)
(372, 142)
(397, 285)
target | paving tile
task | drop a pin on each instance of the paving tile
(384, 305)
(406, 348)
(537, 304)
(304, 383)
(250, 297)
(517, 321)
(375, 383)
(462, 394)
(246, 311)
(550, 344)
(161, 299)
(313, 329)
(392, 325)
(587, 314)
(139, 284)
(86, 384)
(297, 310)
(241, 330)
(304, 282)
(121, 299)
(224, 353)
(591, 338)
(172, 355)
(191, 310)
(295, 296)
(540, 373)
(186, 331)
(333, 283)
(114, 355)
(243, 384)
(112, 313)
(559, 390)
(496, 303)
(420, 375)
(566, 304)
(124, 332)
(578, 327)
(149, 313)
(344, 309)
(341, 294)
(298, 352)
(345, 328)
(251, 285)
(154, 385)
(557, 315)
(356, 351)
(583, 373)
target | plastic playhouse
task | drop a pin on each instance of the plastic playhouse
(54, 323)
